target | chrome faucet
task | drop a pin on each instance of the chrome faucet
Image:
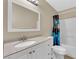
(23, 38)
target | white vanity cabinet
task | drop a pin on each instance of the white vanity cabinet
(39, 51)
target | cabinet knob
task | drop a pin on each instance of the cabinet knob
(33, 51)
(48, 53)
(30, 52)
(48, 45)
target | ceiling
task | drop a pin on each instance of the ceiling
(61, 5)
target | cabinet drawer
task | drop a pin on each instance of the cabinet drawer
(20, 55)
(6, 58)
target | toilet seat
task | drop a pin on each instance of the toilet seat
(59, 50)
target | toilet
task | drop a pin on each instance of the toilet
(58, 52)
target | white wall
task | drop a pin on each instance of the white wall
(68, 31)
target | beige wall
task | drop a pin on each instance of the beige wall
(46, 18)
(69, 13)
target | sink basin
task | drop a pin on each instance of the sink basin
(25, 44)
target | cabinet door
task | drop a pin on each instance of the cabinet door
(21, 55)
(46, 49)
(42, 51)
(37, 52)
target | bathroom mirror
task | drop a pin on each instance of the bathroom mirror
(23, 16)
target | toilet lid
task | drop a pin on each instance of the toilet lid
(60, 48)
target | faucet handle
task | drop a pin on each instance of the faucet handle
(23, 38)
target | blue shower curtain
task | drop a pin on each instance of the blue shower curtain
(56, 30)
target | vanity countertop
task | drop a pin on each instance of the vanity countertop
(9, 48)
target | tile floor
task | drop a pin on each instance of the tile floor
(67, 57)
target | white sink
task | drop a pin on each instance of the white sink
(25, 44)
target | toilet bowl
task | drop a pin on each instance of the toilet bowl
(58, 52)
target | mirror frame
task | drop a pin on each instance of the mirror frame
(29, 6)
